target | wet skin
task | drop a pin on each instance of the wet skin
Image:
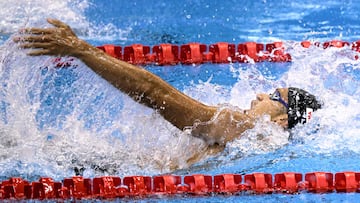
(215, 125)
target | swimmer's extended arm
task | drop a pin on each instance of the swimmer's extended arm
(140, 84)
(143, 86)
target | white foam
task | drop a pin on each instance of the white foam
(98, 126)
(18, 14)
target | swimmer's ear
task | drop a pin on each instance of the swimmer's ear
(282, 121)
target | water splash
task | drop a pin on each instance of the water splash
(63, 122)
(31, 13)
(331, 74)
(55, 121)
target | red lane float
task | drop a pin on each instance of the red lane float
(356, 46)
(166, 54)
(228, 183)
(277, 52)
(259, 182)
(347, 182)
(77, 187)
(137, 54)
(193, 53)
(110, 187)
(112, 50)
(15, 188)
(221, 52)
(167, 184)
(251, 51)
(199, 184)
(335, 43)
(46, 188)
(197, 53)
(106, 187)
(287, 182)
(319, 182)
(138, 185)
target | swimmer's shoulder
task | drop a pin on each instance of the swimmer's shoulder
(226, 125)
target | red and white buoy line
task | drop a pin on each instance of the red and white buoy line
(197, 53)
(110, 187)
(221, 52)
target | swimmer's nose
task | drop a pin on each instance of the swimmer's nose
(261, 97)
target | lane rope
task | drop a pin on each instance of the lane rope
(110, 187)
(221, 52)
(197, 53)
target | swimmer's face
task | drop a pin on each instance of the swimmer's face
(265, 105)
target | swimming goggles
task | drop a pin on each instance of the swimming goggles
(277, 97)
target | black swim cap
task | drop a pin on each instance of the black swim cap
(301, 106)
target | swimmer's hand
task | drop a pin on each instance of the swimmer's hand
(57, 41)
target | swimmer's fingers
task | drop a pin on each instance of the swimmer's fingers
(42, 48)
(57, 23)
(37, 31)
(39, 52)
(58, 41)
(60, 24)
(39, 48)
(34, 38)
(59, 28)
(36, 45)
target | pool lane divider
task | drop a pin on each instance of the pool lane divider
(221, 52)
(111, 187)
(197, 53)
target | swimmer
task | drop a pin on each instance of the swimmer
(286, 107)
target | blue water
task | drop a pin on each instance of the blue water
(53, 120)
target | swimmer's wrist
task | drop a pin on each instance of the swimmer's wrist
(83, 50)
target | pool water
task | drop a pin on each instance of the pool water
(54, 120)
